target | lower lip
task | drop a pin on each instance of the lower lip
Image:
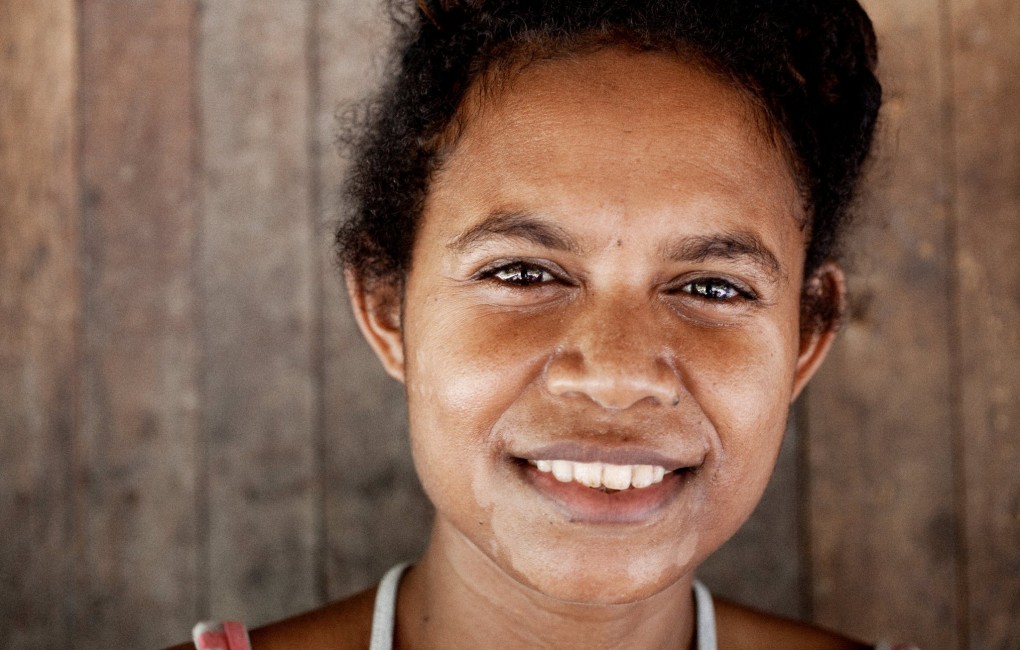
(590, 505)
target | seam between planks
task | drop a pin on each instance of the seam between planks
(804, 546)
(318, 347)
(203, 561)
(949, 161)
(77, 204)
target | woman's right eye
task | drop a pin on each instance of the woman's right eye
(520, 274)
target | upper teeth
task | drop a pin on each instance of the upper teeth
(597, 475)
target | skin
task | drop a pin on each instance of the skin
(611, 256)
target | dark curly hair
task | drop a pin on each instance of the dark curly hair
(808, 65)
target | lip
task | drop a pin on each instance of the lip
(581, 504)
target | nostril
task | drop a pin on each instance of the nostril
(614, 386)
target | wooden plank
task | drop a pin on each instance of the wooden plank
(257, 268)
(376, 512)
(39, 317)
(763, 564)
(986, 98)
(879, 417)
(136, 474)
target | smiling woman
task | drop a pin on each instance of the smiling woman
(605, 334)
(595, 242)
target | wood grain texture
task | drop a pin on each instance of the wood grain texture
(879, 417)
(376, 513)
(135, 456)
(762, 565)
(257, 266)
(175, 340)
(39, 317)
(986, 97)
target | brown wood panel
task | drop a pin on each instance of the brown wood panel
(39, 317)
(986, 97)
(376, 513)
(136, 469)
(879, 417)
(257, 267)
(762, 565)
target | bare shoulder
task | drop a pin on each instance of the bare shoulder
(339, 625)
(741, 628)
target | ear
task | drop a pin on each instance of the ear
(377, 309)
(823, 302)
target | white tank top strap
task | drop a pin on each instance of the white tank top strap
(704, 617)
(384, 615)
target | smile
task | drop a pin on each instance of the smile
(602, 475)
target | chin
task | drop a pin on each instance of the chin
(597, 578)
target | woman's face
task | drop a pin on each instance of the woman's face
(600, 328)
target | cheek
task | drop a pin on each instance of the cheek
(465, 371)
(467, 366)
(744, 389)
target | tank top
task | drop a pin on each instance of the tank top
(231, 635)
(386, 608)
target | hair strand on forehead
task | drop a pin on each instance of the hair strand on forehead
(423, 5)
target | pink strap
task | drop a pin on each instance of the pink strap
(229, 635)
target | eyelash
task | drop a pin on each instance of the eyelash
(522, 274)
(528, 274)
(716, 290)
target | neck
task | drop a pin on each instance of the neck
(457, 597)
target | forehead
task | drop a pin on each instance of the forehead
(616, 132)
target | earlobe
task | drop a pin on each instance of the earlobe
(377, 309)
(823, 304)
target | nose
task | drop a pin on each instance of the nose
(615, 358)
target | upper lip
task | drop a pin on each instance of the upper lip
(581, 452)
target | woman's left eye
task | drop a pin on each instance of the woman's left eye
(712, 289)
(521, 274)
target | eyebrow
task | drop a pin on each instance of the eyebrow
(734, 245)
(740, 245)
(517, 225)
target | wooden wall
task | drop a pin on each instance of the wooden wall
(191, 426)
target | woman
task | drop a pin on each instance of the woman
(595, 242)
